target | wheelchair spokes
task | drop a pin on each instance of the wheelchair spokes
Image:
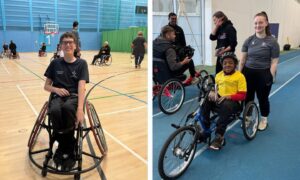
(96, 128)
(171, 96)
(37, 126)
(250, 120)
(177, 153)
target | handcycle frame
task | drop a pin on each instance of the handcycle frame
(194, 127)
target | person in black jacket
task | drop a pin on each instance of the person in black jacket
(164, 52)
(180, 39)
(225, 34)
(42, 51)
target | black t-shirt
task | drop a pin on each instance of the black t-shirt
(67, 75)
(138, 46)
(43, 48)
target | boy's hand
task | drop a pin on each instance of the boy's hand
(79, 117)
(221, 99)
(61, 92)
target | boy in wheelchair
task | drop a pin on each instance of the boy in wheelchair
(13, 50)
(225, 102)
(5, 52)
(66, 80)
(104, 52)
(164, 54)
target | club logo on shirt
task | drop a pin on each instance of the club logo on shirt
(253, 42)
(74, 74)
(264, 44)
(59, 72)
(222, 36)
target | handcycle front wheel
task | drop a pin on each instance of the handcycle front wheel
(177, 153)
(171, 96)
(250, 120)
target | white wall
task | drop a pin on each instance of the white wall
(241, 13)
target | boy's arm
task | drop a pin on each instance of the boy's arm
(81, 93)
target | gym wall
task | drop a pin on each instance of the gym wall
(23, 21)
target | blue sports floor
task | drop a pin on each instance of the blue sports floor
(273, 155)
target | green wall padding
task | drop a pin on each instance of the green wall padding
(120, 40)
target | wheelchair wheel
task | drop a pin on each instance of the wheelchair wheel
(250, 120)
(177, 153)
(108, 61)
(37, 126)
(171, 96)
(96, 128)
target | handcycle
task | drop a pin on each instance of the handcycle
(81, 132)
(179, 149)
(168, 88)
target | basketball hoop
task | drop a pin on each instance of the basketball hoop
(51, 28)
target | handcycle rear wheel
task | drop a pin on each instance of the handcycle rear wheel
(171, 96)
(177, 153)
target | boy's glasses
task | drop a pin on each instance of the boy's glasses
(67, 42)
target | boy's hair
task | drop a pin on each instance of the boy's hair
(165, 30)
(230, 55)
(68, 35)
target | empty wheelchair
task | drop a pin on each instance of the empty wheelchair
(44, 148)
(179, 149)
(104, 60)
(169, 88)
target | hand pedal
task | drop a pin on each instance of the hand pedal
(175, 126)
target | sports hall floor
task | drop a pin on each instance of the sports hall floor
(121, 103)
(272, 155)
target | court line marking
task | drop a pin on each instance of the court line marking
(4, 67)
(198, 153)
(111, 136)
(159, 113)
(27, 100)
(124, 110)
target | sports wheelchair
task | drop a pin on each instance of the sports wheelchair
(169, 88)
(4, 54)
(178, 151)
(104, 60)
(14, 55)
(82, 132)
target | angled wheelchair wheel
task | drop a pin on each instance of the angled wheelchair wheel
(37, 126)
(96, 128)
(177, 153)
(171, 96)
(155, 89)
(250, 120)
(108, 61)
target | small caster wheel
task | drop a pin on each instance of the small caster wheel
(44, 172)
(77, 177)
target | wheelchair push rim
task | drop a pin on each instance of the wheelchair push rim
(37, 126)
(108, 61)
(171, 96)
(96, 128)
(177, 153)
(250, 120)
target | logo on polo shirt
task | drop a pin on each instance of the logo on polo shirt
(74, 74)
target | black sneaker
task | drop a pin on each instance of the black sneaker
(217, 143)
